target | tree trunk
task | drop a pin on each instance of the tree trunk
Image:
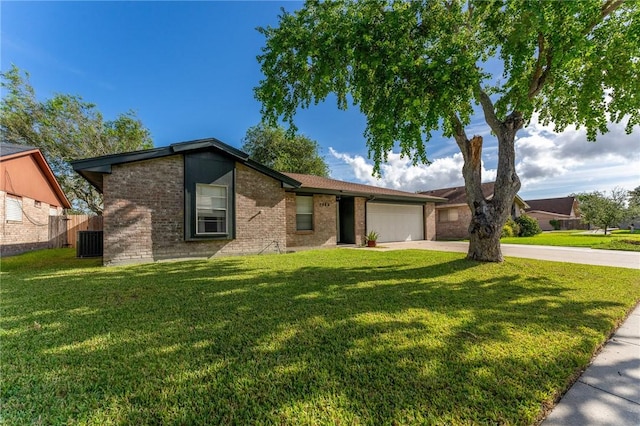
(484, 244)
(488, 215)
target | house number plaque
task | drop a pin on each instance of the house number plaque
(325, 204)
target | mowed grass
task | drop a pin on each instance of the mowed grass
(321, 337)
(617, 240)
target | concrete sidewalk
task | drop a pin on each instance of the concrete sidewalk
(608, 392)
(619, 259)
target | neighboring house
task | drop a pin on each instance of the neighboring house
(29, 194)
(563, 209)
(454, 216)
(204, 198)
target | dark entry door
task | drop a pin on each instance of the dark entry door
(347, 231)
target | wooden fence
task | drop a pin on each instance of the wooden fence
(63, 230)
(572, 224)
(57, 231)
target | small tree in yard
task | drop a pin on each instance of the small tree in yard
(602, 210)
(417, 67)
(634, 203)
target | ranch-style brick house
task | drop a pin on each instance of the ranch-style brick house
(29, 194)
(454, 216)
(204, 198)
(564, 209)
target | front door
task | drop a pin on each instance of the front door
(346, 221)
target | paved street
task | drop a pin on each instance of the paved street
(620, 259)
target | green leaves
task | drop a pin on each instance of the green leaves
(66, 128)
(389, 58)
(602, 210)
(275, 148)
(411, 66)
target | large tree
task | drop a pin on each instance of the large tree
(274, 147)
(421, 66)
(604, 210)
(66, 128)
(634, 202)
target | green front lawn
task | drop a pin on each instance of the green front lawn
(320, 337)
(617, 240)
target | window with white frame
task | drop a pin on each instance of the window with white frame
(211, 209)
(304, 213)
(448, 215)
(13, 209)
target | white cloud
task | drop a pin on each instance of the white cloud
(400, 173)
(549, 164)
(565, 162)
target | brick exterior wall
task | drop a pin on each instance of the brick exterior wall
(32, 233)
(324, 222)
(144, 214)
(458, 229)
(430, 230)
(543, 219)
(361, 220)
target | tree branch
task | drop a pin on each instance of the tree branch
(489, 111)
(541, 73)
(458, 130)
(607, 9)
(609, 6)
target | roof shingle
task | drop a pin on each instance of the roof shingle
(458, 195)
(562, 205)
(13, 148)
(334, 185)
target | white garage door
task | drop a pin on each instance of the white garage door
(396, 222)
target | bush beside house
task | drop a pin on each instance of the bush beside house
(528, 226)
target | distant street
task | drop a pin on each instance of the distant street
(587, 256)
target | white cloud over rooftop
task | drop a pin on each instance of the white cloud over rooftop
(549, 164)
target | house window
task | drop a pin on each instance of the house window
(211, 209)
(448, 215)
(13, 209)
(304, 213)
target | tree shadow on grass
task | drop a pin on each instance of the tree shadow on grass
(368, 339)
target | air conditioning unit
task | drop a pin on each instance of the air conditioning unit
(89, 244)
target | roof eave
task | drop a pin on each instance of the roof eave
(51, 178)
(20, 154)
(369, 195)
(92, 169)
(524, 203)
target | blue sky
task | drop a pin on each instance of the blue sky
(188, 70)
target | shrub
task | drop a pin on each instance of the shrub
(507, 231)
(510, 229)
(555, 223)
(528, 226)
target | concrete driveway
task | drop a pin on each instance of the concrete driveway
(620, 259)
